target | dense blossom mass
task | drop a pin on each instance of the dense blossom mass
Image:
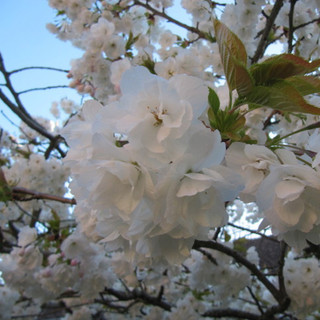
(152, 165)
(187, 184)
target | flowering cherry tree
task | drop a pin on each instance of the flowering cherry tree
(187, 186)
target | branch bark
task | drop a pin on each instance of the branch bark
(18, 108)
(138, 294)
(240, 259)
(291, 26)
(19, 193)
(264, 37)
(234, 313)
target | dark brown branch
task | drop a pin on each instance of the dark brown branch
(317, 20)
(264, 38)
(18, 194)
(283, 249)
(8, 84)
(291, 26)
(252, 231)
(141, 295)
(5, 246)
(35, 217)
(18, 108)
(231, 313)
(208, 255)
(24, 116)
(240, 259)
(268, 122)
(216, 234)
(256, 300)
(271, 312)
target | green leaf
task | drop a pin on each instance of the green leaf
(149, 64)
(227, 236)
(5, 190)
(240, 245)
(281, 67)
(241, 78)
(282, 96)
(234, 59)
(131, 40)
(305, 84)
(214, 101)
(60, 13)
(227, 40)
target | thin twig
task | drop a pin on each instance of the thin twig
(18, 108)
(208, 255)
(252, 231)
(256, 300)
(36, 67)
(44, 88)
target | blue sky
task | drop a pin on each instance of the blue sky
(25, 41)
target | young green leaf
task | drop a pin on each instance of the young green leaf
(281, 96)
(227, 40)
(214, 101)
(241, 78)
(305, 84)
(234, 59)
(281, 67)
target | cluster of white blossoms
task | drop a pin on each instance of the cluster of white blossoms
(34, 173)
(78, 267)
(284, 190)
(302, 283)
(149, 170)
(289, 200)
(222, 279)
(164, 162)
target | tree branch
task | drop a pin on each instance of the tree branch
(38, 68)
(256, 300)
(252, 231)
(291, 27)
(23, 114)
(19, 192)
(264, 38)
(208, 255)
(283, 249)
(44, 88)
(240, 259)
(139, 294)
(233, 313)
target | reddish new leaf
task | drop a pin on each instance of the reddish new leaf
(234, 59)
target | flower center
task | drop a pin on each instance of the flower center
(157, 113)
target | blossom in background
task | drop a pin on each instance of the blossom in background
(289, 199)
(253, 162)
